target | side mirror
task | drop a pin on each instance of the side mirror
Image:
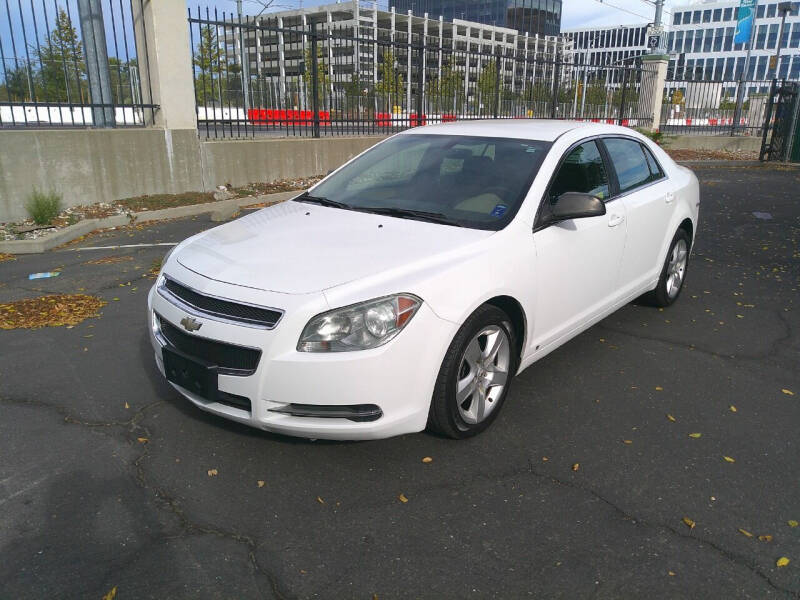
(576, 205)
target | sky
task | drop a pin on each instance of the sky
(590, 13)
(576, 13)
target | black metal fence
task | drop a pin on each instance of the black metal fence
(713, 107)
(73, 63)
(366, 80)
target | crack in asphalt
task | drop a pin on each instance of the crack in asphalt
(731, 556)
(773, 350)
(136, 427)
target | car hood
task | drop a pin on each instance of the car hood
(298, 248)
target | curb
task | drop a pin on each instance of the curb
(87, 226)
(735, 163)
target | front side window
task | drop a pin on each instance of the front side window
(470, 181)
(629, 163)
(582, 171)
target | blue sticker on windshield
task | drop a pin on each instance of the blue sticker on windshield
(499, 210)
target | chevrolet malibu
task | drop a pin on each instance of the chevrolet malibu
(406, 289)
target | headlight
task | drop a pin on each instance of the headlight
(360, 326)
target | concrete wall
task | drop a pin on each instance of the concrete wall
(747, 143)
(88, 166)
(244, 161)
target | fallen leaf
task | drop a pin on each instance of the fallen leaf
(212, 472)
(728, 459)
(792, 523)
(671, 573)
(545, 459)
(320, 500)
(261, 483)
(733, 408)
(142, 440)
(627, 441)
(49, 311)
(576, 466)
(427, 459)
(126, 405)
(659, 388)
(695, 435)
(745, 532)
(688, 522)
(671, 418)
(402, 498)
(111, 594)
(765, 538)
(782, 561)
(788, 392)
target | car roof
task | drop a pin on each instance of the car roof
(546, 130)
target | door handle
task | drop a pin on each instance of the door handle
(615, 220)
(669, 197)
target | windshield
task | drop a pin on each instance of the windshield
(476, 182)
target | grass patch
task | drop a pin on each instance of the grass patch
(43, 207)
(49, 311)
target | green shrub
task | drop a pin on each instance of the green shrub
(43, 207)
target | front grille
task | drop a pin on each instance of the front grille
(228, 358)
(226, 309)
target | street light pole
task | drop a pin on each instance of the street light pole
(245, 59)
(784, 8)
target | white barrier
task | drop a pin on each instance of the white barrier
(64, 115)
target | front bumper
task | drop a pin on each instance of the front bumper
(398, 377)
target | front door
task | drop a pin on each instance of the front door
(577, 261)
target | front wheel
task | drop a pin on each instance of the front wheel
(475, 375)
(673, 273)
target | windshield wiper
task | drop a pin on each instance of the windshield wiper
(407, 213)
(306, 197)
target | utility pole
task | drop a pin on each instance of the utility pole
(93, 30)
(245, 59)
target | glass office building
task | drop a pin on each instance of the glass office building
(526, 16)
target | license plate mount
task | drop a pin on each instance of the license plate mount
(191, 374)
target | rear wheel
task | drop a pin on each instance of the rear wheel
(673, 273)
(475, 374)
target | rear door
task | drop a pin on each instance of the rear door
(649, 201)
(576, 260)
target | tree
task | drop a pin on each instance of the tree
(62, 71)
(446, 94)
(487, 83)
(323, 79)
(18, 85)
(390, 86)
(209, 62)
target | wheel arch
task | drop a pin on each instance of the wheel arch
(688, 227)
(512, 307)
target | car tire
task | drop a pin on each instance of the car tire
(673, 273)
(483, 358)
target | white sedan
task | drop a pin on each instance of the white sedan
(407, 288)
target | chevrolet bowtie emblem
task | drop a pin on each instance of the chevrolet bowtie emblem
(191, 324)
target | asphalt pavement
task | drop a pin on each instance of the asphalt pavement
(109, 480)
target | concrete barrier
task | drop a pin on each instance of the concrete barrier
(88, 166)
(747, 143)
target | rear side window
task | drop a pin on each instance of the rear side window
(629, 162)
(582, 171)
(655, 170)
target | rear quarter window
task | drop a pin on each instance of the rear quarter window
(629, 162)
